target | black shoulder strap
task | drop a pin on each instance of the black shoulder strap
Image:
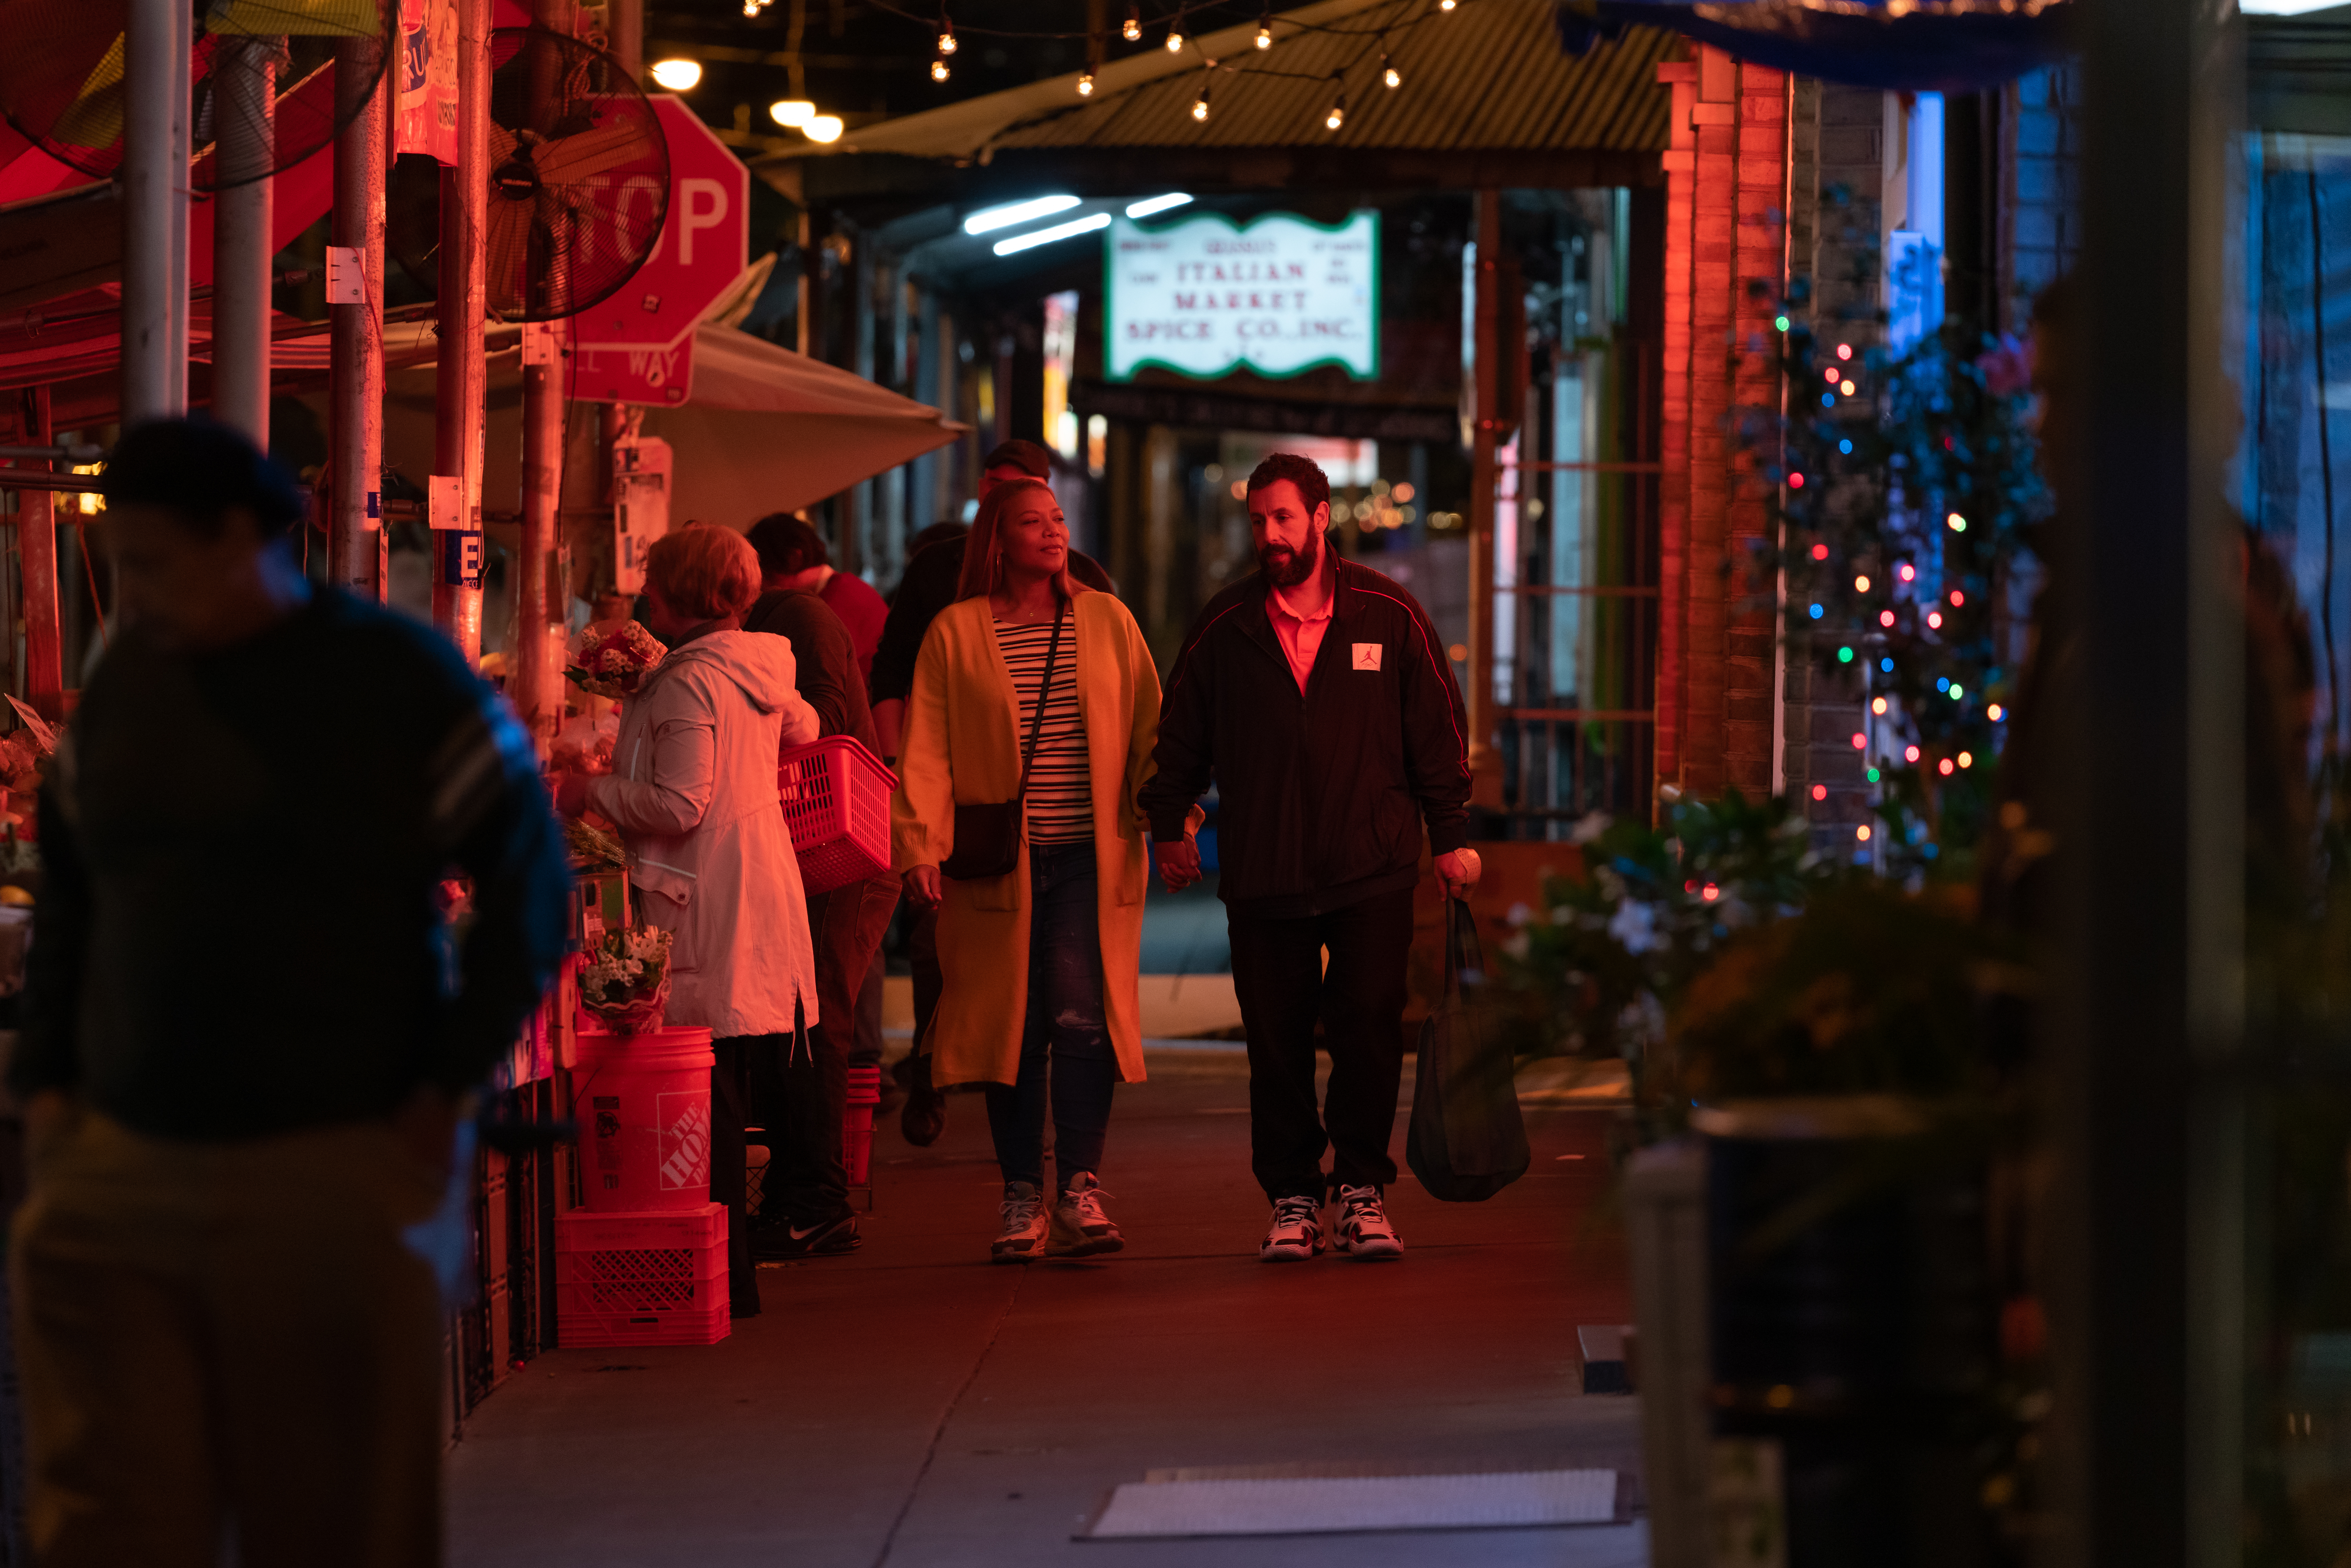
(1044, 694)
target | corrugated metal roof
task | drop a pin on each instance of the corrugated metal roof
(1490, 76)
(1487, 77)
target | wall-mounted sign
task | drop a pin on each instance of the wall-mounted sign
(1278, 295)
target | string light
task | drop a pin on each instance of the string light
(1175, 34)
(1388, 73)
(1862, 832)
(1085, 83)
(1886, 617)
(1966, 760)
(1910, 754)
(1820, 552)
(1934, 620)
(1995, 713)
(1908, 571)
(938, 70)
(1845, 655)
(1780, 323)
(1845, 351)
(1795, 481)
(1447, 5)
(1338, 115)
(1957, 599)
(1959, 524)
(1860, 741)
(1820, 791)
(947, 33)
(1132, 28)
(1861, 585)
(1200, 105)
(1845, 387)
(1943, 767)
(1265, 28)
(1877, 705)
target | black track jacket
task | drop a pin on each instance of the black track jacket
(1322, 796)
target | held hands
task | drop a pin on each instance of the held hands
(1459, 872)
(1179, 862)
(923, 885)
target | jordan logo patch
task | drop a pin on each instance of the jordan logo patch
(1367, 656)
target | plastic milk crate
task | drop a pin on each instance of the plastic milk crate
(640, 1279)
(836, 797)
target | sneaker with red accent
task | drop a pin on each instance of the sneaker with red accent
(1364, 1233)
(1023, 1235)
(1296, 1234)
(1079, 1227)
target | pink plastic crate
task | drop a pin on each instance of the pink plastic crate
(640, 1279)
(836, 797)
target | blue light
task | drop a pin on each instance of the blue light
(1846, 447)
(1942, 683)
(1886, 665)
(1828, 400)
(1817, 612)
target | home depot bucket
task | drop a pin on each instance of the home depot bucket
(643, 1105)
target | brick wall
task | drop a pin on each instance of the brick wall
(2039, 186)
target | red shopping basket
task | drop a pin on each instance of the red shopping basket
(836, 797)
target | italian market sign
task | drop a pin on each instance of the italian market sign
(1278, 295)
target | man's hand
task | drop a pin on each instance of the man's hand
(1457, 870)
(1179, 862)
(923, 887)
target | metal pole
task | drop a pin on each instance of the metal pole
(354, 540)
(1485, 782)
(626, 21)
(461, 378)
(155, 270)
(532, 677)
(37, 551)
(245, 73)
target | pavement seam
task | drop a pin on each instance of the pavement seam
(939, 1432)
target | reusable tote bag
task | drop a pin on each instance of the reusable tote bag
(1468, 1141)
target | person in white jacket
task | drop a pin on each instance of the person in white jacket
(692, 792)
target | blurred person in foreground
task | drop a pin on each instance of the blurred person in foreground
(1314, 693)
(235, 1110)
(803, 1100)
(1036, 690)
(692, 792)
(933, 580)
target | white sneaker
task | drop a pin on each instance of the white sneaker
(1081, 1229)
(1364, 1232)
(1296, 1234)
(1023, 1236)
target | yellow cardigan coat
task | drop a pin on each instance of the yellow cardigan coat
(961, 743)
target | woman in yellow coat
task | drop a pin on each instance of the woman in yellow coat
(1040, 963)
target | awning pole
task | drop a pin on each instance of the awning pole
(355, 435)
(37, 554)
(461, 378)
(245, 71)
(154, 181)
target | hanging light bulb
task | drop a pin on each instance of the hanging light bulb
(1388, 73)
(948, 41)
(1446, 4)
(1175, 36)
(1085, 83)
(1200, 106)
(938, 70)
(1132, 28)
(1338, 115)
(1265, 28)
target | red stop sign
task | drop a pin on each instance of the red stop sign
(702, 247)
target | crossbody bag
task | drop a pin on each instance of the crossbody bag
(988, 836)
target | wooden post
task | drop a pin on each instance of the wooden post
(461, 378)
(37, 554)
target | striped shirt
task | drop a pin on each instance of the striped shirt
(1061, 796)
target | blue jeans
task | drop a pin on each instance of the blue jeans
(1064, 1032)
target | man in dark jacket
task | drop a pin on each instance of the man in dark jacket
(247, 1038)
(805, 1207)
(1316, 695)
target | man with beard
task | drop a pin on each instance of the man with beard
(1315, 694)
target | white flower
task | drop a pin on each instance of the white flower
(1636, 926)
(1588, 830)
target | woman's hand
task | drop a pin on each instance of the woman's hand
(571, 794)
(923, 885)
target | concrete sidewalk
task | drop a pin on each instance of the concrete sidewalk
(915, 1406)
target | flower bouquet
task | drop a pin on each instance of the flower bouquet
(626, 982)
(609, 657)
